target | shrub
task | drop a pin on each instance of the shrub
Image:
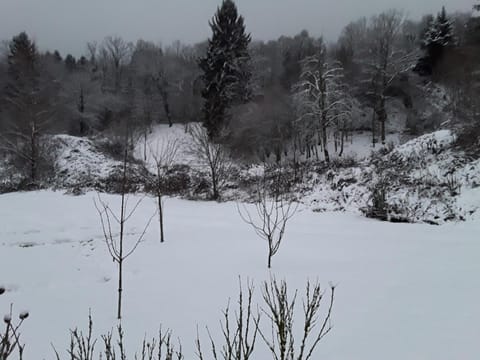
(378, 207)
(10, 338)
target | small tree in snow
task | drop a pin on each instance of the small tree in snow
(272, 212)
(110, 219)
(212, 155)
(163, 157)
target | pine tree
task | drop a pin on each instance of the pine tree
(438, 37)
(26, 105)
(22, 63)
(70, 62)
(226, 68)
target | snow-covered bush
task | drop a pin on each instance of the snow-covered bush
(378, 207)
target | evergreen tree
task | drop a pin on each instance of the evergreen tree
(22, 64)
(426, 24)
(27, 98)
(226, 68)
(70, 62)
(57, 57)
(438, 37)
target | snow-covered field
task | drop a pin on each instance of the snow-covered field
(404, 291)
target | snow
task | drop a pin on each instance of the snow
(404, 291)
(161, 135)
(361, 147)
(79, 162)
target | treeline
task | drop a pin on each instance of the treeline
(295, 97)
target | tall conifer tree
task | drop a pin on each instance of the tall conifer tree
(27, 105)
(438, 37)
(226, 68)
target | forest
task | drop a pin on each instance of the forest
(249, 167)
(294, 98)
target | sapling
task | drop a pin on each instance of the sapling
(115, 242)
(272, 212)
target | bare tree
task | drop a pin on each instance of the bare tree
(240, 337)
(386, 59)
(321, 98)
(350, 45)
(109, 219)
(164, 157)
(92, 48)
(280, 309)
(272, 212)
(212, 155)
(158, 72)
(117, 52)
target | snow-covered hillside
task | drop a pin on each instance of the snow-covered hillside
(426, 180)
(79, 162)
(404, 291)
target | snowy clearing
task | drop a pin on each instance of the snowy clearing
(404, 291)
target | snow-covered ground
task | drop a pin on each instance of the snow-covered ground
(159, 137)
(404, 291)
(79, 162)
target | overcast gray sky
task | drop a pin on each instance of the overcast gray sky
(68, 24)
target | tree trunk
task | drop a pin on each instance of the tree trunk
(336, 141)
(145, 146)
(122, 225)
(324, 140)
(160, 217)
(278, 155)
(342, 141)
(119, 305)
(167, 111)
(162, 88)
(33, 155)
(382, 117)
(214, 186)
